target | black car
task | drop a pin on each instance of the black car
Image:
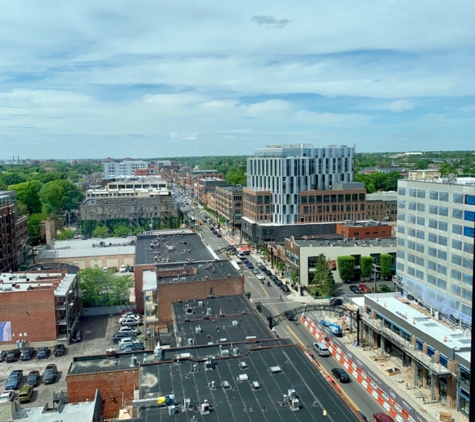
(59, 350)
(285, 288)
(356, 290)
(33, 378)
(13, 355)
(336, 301)
(43, 353)
(340, 375)
(27, 353)
(49, 377)
(118, 336)
(268, 272)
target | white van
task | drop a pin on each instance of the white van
(321, 349)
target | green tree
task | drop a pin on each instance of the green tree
(104, 288)
(88, 226)
(447, 168)
(65, 234)
(35, 222)
(121, 231)
(366, 263)
(60, 195)
(346, 267)
(12, 178)
(101, 231)
(321, 267)
(328, 284)
(28, 194)
(386, 261)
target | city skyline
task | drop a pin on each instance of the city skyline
(162, 80)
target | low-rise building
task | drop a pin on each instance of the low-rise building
(368, 229)
(38, 306)
(123, 170)
(207, 186)
(229, 204)
(381, 206)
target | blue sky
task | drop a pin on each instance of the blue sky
(117, 78)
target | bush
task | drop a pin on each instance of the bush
(346, 267)
(386, 261)
(366, 266)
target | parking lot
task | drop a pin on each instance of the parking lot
(97, 337)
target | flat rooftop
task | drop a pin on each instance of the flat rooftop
(237, 388)
(171, 247)
(78, 248)
(402, 309)
(315, 242)
(82, 411)
(60, 282)
(207, 270)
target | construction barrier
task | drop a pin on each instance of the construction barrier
(394, 404)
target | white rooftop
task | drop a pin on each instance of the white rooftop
(453, 338)
(83, 411)
(23, 281)
(75, 248)
(149, 281)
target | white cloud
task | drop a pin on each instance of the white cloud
(397, 106)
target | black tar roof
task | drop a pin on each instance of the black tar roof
(178, 247)
(223, 305)
(122, 361)
(239, 399)
(207, 270)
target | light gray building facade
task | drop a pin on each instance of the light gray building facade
(436, 244)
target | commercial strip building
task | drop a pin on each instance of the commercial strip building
(436, 245)
(231, 368)
(133, 201)
(300, 255)
(204, 187)
(229, 204)
(38, 306)
(381, 206)
(111, 252)
(367, 229)
(122, 170)
(13, 233)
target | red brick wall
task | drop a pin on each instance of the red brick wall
(31, 312)
(169, 293)
(360, 232)
(114, 386)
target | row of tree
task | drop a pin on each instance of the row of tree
(346, 267)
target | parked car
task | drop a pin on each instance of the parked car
(118, 336)
(76, 336)
(14, 380)
(43, 353)
(127, 329)
(25, 394)
(3, 355)
(27, 353)
(250, 266)
(336, 301)
(59, 350)
(49, 376)
(245, 260)
(123, 269)
(137, 345)
(356, 290)
(364, 288)
(130, 321)
(129, 316)
(8, 395)
(33, 378)
(129, 310)
(13, 355)
(256, 271)
(218, 234)
(273, 277)
(129, 348)
(268, 273)
(128, 339)
(261, 277)
(247, 252)
(131, 269)
(285, 288)
(340, 375)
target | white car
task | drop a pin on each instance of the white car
(7, 396)
(130, 321)
(123, 269)
(129, 316)
(127, 340)
(260, 276)
(127, 329)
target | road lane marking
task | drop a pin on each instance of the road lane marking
(296, 337)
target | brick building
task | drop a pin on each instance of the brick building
(381, 206)
(364, 230)
(229, 204)
(13, 233)
(39, 306)
(207, 186)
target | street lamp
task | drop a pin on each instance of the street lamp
(376, 269)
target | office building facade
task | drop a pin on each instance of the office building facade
(287, 170)
(436, 245)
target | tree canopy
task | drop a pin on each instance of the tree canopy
(28, 194)
(60, 195)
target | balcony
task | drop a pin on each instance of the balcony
(60, 306)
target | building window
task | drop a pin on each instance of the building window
(412, 206)
(443, 196)
(469, 215)
(443, 211)
(457, 213)
(434, 195)
(464, 401)
(457, 198)
(456, 259)
(401, 191)
(470, 199)
(456, 244)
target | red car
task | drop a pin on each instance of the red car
(364, 288)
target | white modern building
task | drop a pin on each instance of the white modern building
(436, 244)
(286, 170)
(122, 170)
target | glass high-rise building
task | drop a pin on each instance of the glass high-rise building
(435, 235)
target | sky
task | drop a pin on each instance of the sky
(148, 78)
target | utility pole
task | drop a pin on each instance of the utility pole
(376, 269)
